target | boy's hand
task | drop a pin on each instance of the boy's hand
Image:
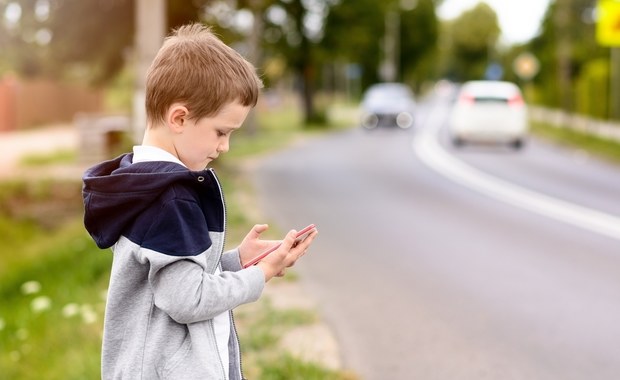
(286, 255)
(252, 245)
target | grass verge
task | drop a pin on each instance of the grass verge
(599, 147)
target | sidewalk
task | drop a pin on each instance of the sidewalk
(15, 145)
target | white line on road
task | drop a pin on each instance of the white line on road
(433, 155)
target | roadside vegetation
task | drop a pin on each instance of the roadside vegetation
(605, 149)
(53, 279)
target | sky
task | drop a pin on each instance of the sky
(519, 19)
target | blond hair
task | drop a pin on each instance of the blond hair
(196, 68)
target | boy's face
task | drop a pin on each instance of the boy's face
(202, 141)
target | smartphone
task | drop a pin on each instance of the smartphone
(301, 235)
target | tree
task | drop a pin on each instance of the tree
(89, 34)
(565, 45)
(419, 38)
(355, 33)
(92, 37)
(472, 37)
(293, 28)
(24, 38)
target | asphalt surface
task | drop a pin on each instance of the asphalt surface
(438, 263)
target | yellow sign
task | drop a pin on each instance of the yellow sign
(608, 23)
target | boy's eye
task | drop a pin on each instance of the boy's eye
(221, 134)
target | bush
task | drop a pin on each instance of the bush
(592, 95)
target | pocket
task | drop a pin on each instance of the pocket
(177, 359)
(186, 365)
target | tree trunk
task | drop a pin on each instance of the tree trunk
(307, 93)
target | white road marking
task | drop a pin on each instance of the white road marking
(433, 155)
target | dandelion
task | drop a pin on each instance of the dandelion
(70, 310)
(40, 304)
(88, 314)
(22, 334)
(31, 287)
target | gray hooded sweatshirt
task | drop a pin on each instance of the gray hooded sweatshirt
(170, 277)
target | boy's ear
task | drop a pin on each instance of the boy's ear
(177, 118)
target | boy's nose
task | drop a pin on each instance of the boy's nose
(223, 147)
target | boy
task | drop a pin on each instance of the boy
(171, 292)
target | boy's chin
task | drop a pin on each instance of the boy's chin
(208, 163)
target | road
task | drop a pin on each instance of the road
(438, 263)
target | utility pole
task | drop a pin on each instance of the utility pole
(389, 68)
(150, 31)
(614, 82)
(562, 23)
(254, 54)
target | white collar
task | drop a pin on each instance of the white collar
(146, 153)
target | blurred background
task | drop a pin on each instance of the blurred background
(459, 157)
(315, 47)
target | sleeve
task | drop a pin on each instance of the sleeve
(231, 260)
(178, 274)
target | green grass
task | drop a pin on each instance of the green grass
(261, 327)
(63, 156)
(52, 281)
(53, 278)
(603, 148)
(52, 304)
(287, 367)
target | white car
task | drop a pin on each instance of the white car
(388, 105)
(489, 112)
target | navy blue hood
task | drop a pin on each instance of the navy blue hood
(115, 192)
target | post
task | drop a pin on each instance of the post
(614, 83)
(150, 31)
(562, 19)
(389, 68)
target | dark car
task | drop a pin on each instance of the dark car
(389, 105)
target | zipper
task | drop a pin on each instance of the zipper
(234, 326)
(232, 318)
(219, 187)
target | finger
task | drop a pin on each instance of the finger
(304, 244)
(289, 240)
(258, 229)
